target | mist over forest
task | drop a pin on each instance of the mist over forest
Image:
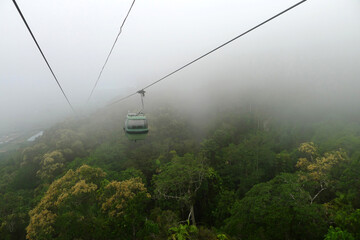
(258, 140)
(308, 57)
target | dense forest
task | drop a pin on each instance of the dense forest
(234, 174)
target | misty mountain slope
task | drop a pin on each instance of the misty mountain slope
(259, 140)
(241, 172)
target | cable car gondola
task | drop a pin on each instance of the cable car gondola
(136, 125)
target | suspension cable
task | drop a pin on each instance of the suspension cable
(47, 63)
(213, 50)
(142, 95)
(112, 48)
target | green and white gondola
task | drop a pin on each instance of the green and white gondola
(136, 126)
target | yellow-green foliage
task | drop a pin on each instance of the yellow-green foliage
(81, 188)
(51, 164)
(318, 166)
(308, 148)
(33, 154)
(73, 183)
(117, 194)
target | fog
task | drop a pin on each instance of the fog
(307, 59)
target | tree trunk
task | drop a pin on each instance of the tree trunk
(192, 214)
(134, 230)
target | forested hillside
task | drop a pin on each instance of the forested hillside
(237, 174)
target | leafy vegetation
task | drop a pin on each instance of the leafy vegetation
(240, 175)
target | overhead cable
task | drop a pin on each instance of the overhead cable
(213, 50)
(52, 72)
(107, 58)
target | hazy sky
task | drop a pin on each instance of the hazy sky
(311, 52)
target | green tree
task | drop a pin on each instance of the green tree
(343, 215)
(247, 163)
(164, 220)
(13, 214)
(181, 179)
(338, 234)
(278, 209)
(183, 232)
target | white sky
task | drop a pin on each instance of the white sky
(314, 46)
